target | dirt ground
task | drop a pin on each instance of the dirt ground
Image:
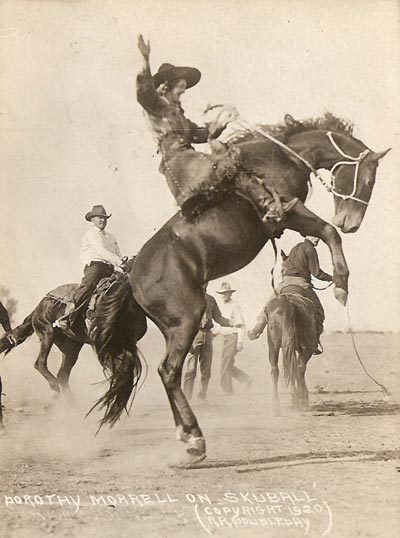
(332, 471)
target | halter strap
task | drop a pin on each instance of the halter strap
(355, 161)
(352, 161)
(342, 153)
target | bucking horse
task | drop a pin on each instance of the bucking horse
(168, 274)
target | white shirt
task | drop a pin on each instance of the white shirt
(233, 312)
(99, 245)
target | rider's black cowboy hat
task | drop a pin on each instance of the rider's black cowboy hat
(169, 73)
(97, 211)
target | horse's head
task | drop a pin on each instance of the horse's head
(353, 170)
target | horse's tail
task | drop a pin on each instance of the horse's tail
(113, 338)
(289, 342)
(18, 335)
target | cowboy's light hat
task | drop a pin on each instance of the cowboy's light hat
(226, 288)
(97, 211)
(168, 73)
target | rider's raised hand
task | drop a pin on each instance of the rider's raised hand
(144, 47)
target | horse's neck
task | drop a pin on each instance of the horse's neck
(316, 148)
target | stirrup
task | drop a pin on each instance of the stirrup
(11, 338)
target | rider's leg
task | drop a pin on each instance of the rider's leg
(269, 205)
(92, 274)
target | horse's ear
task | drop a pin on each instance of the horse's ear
(289, 120)
(380, 154)
(284, 256)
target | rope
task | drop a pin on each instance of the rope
(384, 389)
(322, 289)
(247, 126)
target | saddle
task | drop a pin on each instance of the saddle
(64, 293)
(199, 181)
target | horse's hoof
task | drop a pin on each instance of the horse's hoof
(188, 462)
(341, 296)
(196, 446)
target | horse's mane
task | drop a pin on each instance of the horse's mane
(290, 126)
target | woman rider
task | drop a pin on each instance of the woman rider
(160, 96)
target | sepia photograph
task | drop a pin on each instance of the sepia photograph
(199, 284)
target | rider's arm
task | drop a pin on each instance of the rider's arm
(314, 267)
(147, 95)
(93, 247)
(217, 316)
(117, 250)
(146, 92)
(202, 134)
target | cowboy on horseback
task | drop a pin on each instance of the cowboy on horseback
(192, 175)
(298, 267)
(100, 256)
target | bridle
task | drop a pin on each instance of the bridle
(352, 161)
(331, 187)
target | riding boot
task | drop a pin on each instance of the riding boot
(269, 205)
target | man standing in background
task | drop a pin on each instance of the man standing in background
(202, 350)
(232, 340)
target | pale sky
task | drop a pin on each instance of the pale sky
(72, 134)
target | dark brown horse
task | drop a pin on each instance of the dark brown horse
(168, 275)
(122, 314)
(291, 327)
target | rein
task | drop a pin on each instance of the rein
(352, 161)
(322, 289)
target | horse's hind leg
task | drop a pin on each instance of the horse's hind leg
(273, 350)
(303, 399)
(179, 341)
(46, 342)
(70, 351)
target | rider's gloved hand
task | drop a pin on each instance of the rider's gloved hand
(227, 114)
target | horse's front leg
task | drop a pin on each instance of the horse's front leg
(301, 219)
